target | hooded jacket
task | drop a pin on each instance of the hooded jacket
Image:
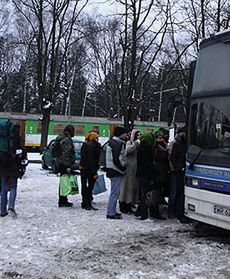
(67, 158)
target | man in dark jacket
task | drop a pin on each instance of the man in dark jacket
(177, 165)
(115, 167)
(89, 165)
(67, 159)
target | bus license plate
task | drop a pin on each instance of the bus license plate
(222, 210)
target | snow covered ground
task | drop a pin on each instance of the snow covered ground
(48, 242)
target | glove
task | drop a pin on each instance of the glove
(25, 162)
(95, 176)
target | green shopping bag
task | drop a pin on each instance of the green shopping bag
(68, 185)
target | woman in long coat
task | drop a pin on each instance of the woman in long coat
(129, 190)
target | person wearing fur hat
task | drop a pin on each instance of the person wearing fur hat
(129, 190)
(67, 159)
(116, 166)
(89, 165)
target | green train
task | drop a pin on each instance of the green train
(31, 126)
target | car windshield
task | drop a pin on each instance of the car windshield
(77, 145)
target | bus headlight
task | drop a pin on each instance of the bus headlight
(195, 182)
(191, 207)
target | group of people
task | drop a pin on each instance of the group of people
(136, 164)
(141, 164)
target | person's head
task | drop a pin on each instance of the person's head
(181, 131)
(121, 133)
(92, 136)
(137, 134)
(160, 137)
(70, 130)
(147, 138)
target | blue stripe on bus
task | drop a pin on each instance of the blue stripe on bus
(216, 186)
(205, 171)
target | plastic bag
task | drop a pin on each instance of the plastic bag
(99, 186)
(68, 185)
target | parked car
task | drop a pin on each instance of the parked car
(48, 161)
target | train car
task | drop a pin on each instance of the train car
(31, 126)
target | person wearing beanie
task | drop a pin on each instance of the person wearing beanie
(66, 161)
(89, 165)
(116, 166)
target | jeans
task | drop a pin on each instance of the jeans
(176, 194)
(7, 182)
(114, 195)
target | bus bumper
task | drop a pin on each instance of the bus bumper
(208, 207)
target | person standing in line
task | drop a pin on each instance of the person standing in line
(89, 166)
(66, 161)
(11, 168)
(129, 190)
(161, 170)
(145, 172)
(177, 164)
(116, 166)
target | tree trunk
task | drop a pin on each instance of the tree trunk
(45, 129)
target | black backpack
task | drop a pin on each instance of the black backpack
(56, 151)
(9, 136)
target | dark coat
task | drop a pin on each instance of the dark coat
(67, 158)
(161, 162)
(10, 164)
(145, 161)
(178, 154)
(90, 153)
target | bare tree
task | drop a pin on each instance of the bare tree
(51, 22)
(144, 28)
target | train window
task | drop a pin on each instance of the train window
(148, 130)
(58, 128)
(96, 129)
(79, 129)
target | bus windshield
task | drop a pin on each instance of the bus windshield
(210, 130)
(209, 124)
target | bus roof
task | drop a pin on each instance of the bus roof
(221, 37)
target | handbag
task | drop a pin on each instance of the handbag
(68, 185)
(153, 198)
(99, 186)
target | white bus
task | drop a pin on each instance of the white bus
(207, 189)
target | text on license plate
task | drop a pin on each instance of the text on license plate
(221, 210)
